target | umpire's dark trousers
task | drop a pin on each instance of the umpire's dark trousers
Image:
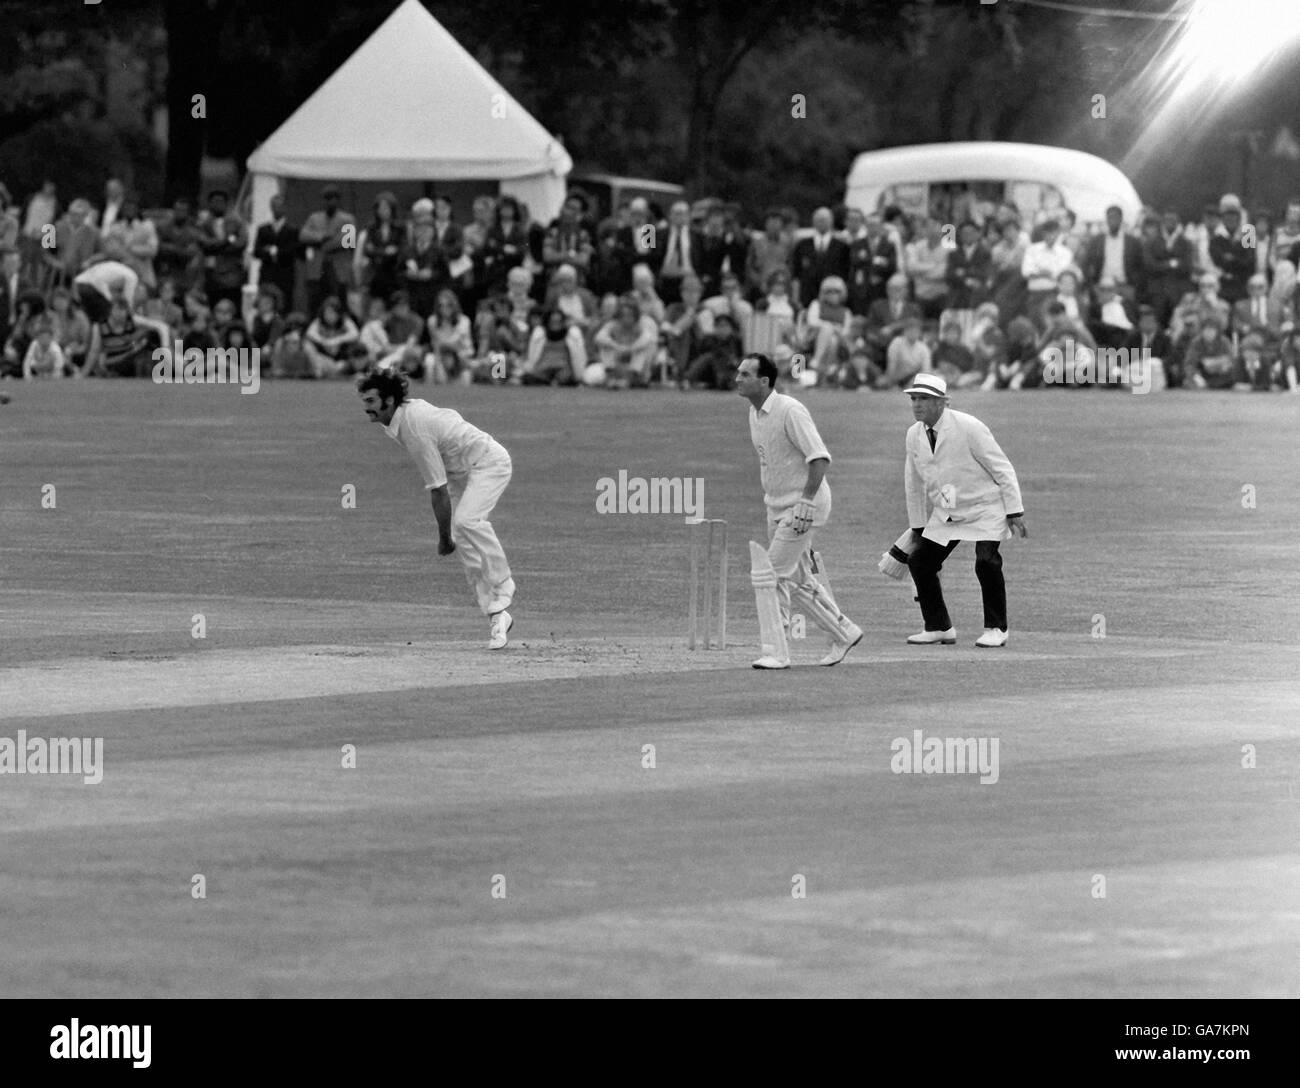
(926, 562)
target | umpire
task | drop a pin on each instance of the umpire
(960, 486)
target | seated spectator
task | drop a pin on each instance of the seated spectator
(30, 305)
(715, 366)
(1285, 292)
(730, 301)
(519, 286)
(769, 253)
(268, 325)
(989, 352)
(1153, 345)
(76, 242)
(332, 341)
(969, 274)
(1286, 239)
(954, 361)
(374, 333)
(557, 352)
(886, 316)
(1204, 303)
(643, 290)
(44, 358)
(163, 308)
(451, 342)
(424, 267)
(1261, 316)
(857, 368)
(1017, 357)
(906, 357)
(576, 303)
(197, 333)
(1065, 339)
(1289, 361)
(985, 317)
(1042, 266)
(1067, 294)
(626, 347)
(1209, 362)
(71, 328)
(1114, 317)
(289, 357)
(502, 334)
(776, 302)
(1009, 290)
(1255, 368)
(823, 329)
(235, 335)
(223, 315)
(119, 347)
(684, 327)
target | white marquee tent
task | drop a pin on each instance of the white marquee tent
(411, 104)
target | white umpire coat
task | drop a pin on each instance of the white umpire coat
(965, 489)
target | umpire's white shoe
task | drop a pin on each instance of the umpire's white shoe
(992, 637)
(768, 662)
(934, 638)
(501, 624)
(840, 649)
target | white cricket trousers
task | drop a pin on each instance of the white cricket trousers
(796, 584)
(481, 554)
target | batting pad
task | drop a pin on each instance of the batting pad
(762, 577)
(893, 563)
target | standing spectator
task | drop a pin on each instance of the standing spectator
(424, 265)
(1286, 239)
(557, 352)
(1115, 255)
(332, 341)
(626, 347)
(1234, 259)
(1072, 238)
(685, 325)
(873, 259)
(451, 341)
(927, 268)
(611, 264)
(41, 214)
(769, 252)
(114, 199)
(380, 247)
(1265, 256)
(506, 246)
(224, 241)
(723, 250)
(643, 236)
(474, 239)
(446, 230)
(1168, 257)
(44, 358)
(969, 272)
(276, 247)
(1043, 264)
(568, 241)
(817, 258)
(1009, 292)
(180, 252)
(682, 249)
(329, 240)
(14, 281)
(76, 241)
(906, 357)
(133, 240)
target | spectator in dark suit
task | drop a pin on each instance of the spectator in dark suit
(1116, 255)
(381, 247)
(1151, 343)
(725, 248)
(506, 245)
(873, 260)
(1261, 316)
(1169, 259)
(424, 266)
(817, 258)
(683, 251)
(276, 246)
(180, 253)
(223, 242)
(1231, 256)
(970, 270)
(569, 240)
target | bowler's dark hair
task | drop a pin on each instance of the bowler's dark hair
(766, 368)
(389, 384)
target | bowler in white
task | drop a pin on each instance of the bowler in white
(461, 465)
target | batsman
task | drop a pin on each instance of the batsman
(793, 461)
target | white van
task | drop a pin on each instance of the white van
(947, 180)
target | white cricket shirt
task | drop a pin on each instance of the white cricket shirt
(786, 439)
(442, 443)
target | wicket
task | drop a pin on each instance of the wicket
(716, 528)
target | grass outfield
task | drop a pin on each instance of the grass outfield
(1120, 757)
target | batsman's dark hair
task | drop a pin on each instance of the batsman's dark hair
(766, 368)
(389, 384)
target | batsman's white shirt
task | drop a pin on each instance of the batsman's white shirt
(443, 444)
(786, 439)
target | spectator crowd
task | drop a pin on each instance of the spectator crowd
(855, 300)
